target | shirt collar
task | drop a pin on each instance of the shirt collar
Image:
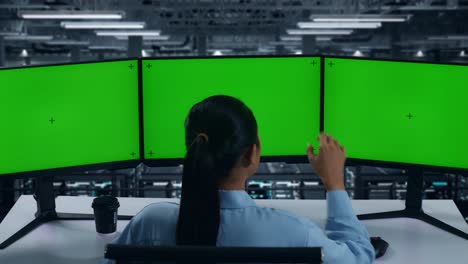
(235, 199)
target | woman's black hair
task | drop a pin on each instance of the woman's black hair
(218, 131)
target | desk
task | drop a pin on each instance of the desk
(411, 241)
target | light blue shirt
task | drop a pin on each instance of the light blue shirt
(243, 223)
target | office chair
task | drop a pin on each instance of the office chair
(126, 254)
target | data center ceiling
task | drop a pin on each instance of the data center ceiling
(435, 29)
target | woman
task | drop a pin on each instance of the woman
(223, 151)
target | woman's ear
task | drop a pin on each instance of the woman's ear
(251, 157)
(248, 156)
(256, 155)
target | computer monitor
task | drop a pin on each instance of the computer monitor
(68, 116)
(283, 93)
(398, 112)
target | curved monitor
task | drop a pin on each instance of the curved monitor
(66, 116)
(283, 93)
(398, 112)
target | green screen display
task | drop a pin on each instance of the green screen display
(283, 93)
(70, 115)
(398, 112)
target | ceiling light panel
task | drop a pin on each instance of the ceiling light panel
(127, 33)
(360, 18)
(318, 32)
(71, 15)
(102, 25)
(331, 25)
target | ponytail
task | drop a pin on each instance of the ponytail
(199, 207)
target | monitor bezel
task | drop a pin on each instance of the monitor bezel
(382, 163)
(155, 162)
(110, 165)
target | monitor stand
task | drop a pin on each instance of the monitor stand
(414, 192)
(45, 199)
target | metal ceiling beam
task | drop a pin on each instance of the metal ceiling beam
(135, 45)
(2, 52)
(24, 6)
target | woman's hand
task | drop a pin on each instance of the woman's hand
(329, 163)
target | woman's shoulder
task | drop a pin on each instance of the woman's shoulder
(288, 218)
(155, 224)
(158, 212)
(162, 206)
